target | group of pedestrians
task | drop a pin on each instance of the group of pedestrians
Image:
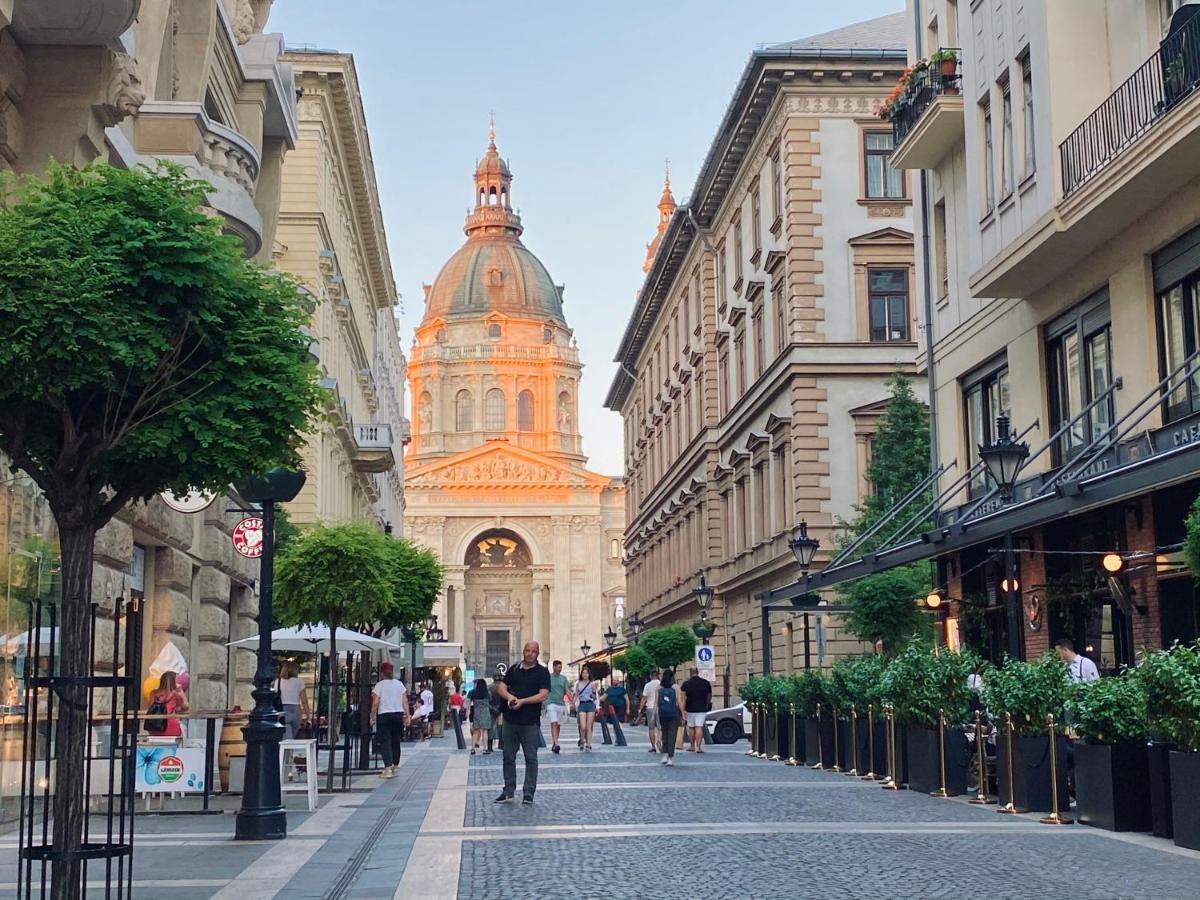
(667, 706)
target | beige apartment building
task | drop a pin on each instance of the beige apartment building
(331, 237)
(201, 84)
(779, 301)
(1058, 155)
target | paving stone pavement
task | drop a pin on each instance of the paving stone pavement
(719, 824)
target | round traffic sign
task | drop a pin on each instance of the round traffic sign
(191, 502)
(248, 537)
(704, 654)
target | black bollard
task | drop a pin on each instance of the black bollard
(458, 735)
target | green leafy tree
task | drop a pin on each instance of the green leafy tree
(1172, 681)
(811, 689)
(884, 605)
(416, 577)
(1112, 710)
(139, 351)
(336, 575)
(1029, 691)
(669, 645)
(637, 663)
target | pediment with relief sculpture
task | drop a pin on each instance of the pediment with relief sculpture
(499, 465)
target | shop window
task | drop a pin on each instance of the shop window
(1079, 370)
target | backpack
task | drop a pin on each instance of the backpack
(668, 704)
(156, 726)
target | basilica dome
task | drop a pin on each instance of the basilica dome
(493, 271)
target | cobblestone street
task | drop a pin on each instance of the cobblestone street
(615, 823)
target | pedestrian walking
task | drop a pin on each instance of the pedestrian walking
(389, 709)
(167, 700)
(585, 707)
(426, 711)
(556, 703)
(457, 703)
(525, 686)
(698, 694)
(293, 698)
(617, 699)
(497, 713)
(481, 716)
(650, 709)
(668, 700)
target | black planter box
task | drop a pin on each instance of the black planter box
(879, 764)
(845, 747)
(862, 759)
(825, 753)
(1159, 759)
(1185, 787)
(1112, 786)
(1031, 772)
(770, 734)
(783, 735)
(789, 732)
(812, 741)
(925, 762)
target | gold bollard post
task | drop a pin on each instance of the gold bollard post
(870, 776)
(835, 767)
(981, 797)
(941, 792)
(1009, 808)
(853, 773)
(791, 760)
(1054, 818)
(775, 757)
(820, 743)
(891, 783)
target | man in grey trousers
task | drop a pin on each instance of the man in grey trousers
(523, 689)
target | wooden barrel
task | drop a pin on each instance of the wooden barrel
(233, 743)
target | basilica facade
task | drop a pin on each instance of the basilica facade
(496, 481)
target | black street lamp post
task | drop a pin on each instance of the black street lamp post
(635, 622)
(262, 816)
(1003, 458)
(804, 548)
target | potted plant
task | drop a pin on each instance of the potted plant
(946, 62)
(781, 692)
(1172, 681)
(1112, 776)
(927, 686)
(754, 694)
(1029, 692)
(811, 693)
(856, 685)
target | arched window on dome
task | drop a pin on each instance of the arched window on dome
(493, 410)
(525, 411)
(491, 196)
(462, 411)
(495, 331)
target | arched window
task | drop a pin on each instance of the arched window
(525, 411)
(494, 330)
(462, 411)
(493, 410)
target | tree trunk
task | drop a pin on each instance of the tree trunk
(71, 733)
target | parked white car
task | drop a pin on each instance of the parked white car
(729, 725)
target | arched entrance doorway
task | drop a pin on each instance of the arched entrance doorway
(499, 584)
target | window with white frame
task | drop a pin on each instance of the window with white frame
(1007, 166)
(1027, 116)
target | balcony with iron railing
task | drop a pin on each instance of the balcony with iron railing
(1131, 155)
(927, 113)
(373, 448)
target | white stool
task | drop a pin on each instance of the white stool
(287, 751)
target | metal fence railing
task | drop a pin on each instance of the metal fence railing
(925, 87)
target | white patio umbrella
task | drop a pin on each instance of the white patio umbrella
(19, 644)
(316, 639)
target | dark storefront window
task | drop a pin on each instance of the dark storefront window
(1079, 370)
(985, 396)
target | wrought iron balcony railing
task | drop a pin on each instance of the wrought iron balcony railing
(940, 79)
(1145, 97)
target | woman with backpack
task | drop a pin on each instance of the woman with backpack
(668, 700)
(585, 707)
(166, 701)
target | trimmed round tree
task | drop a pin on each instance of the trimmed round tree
(669, 645)
(139, 351)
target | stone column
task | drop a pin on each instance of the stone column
(537, 617)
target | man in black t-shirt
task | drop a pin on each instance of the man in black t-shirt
(524, 687)
(697, 698)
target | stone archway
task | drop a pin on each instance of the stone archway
(499, 591)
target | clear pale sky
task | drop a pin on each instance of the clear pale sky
(589, 100)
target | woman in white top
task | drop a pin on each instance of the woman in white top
(389, 709)
(585, 707)
(293, 698)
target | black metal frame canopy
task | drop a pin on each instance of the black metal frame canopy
(1069, 498)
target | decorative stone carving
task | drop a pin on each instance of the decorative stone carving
(123, 95)
(887, 211)
(243, 21)
(500, 470)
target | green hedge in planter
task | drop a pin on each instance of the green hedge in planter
(1111, 710)
(919, 682)
(858, 682)
(1172, 682)
(755, 690)
(808, 689)
(1029, 691)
